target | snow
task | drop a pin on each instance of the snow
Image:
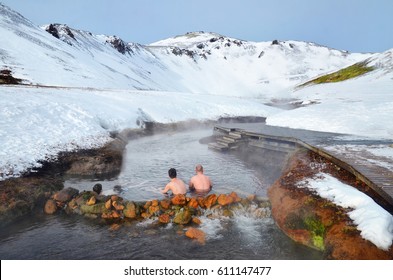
(91, 90)
(37, 123)
(360, 106)
(374, 223)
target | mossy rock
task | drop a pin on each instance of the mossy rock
(183, 216)
(98, 208)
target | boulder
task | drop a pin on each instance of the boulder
(210, 200)
(117, 205)
(93, 209)
(91, 201)
(179, 199)
(108, 204)
(130, 210)
(197, 234)
(165, 204)
(50, 207)
(164, 218)
(193, 203)
(182, 217)
(224, 199)
(196, 220)
(65, 195)
(153, 210)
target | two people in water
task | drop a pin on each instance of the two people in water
(198, 183)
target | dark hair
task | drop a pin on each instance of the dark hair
(172, 173)
(97, 188)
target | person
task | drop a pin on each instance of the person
(200, 182)
(176, 185)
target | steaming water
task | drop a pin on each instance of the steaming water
(243, 236)
(148, 159)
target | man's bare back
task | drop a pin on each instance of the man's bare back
(200, 182)
(177, 186)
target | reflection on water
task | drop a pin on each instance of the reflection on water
(242, 236)
(147, 160)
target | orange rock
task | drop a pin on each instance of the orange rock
(114, 227)
(196, 220)
(224, 199)
(118, 206)
(210, 200)
(145, 215)
(164, 218)
(115, 214)
(91, 201)
(193, 203)
(154, 202)
(197, 234)
(179, 199)
(147, 205)
(251, 197)
(235, 197)
(50, 207)
(201, 202)
(115, 198)
(165, 204)
(154, 209)
(108, 204)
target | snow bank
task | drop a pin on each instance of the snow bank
(37, 123)
(374, 222)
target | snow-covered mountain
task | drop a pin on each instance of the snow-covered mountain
(196, 62)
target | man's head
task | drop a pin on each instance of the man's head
(172, 173)
(199, 168)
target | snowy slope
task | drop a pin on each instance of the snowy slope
(361, 106)
(196, 62)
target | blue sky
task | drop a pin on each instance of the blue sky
(353, 25)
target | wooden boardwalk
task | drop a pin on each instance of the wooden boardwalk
(352, 155)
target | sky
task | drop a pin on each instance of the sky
(352, 25)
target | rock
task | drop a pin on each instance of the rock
(165, 204)
(164, 218)
(182, 217)
(197, 234)
(114, 197)
(210, 200)
(117, 205)
(91, 201)
(154, 202)
(147, 205)
(251, 197)
(193, 203)
(50, 207)
(196, 220)
(108, 204)
(224, 199)
(65, 195)
(153, 210)
(201, 202)
(179, 199)
(145, 215)
(235, 197)
(130, 210)
(114, 227)
(227, 213)
(93, 209)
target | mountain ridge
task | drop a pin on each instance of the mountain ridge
(196, 62)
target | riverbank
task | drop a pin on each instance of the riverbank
(317, 222)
